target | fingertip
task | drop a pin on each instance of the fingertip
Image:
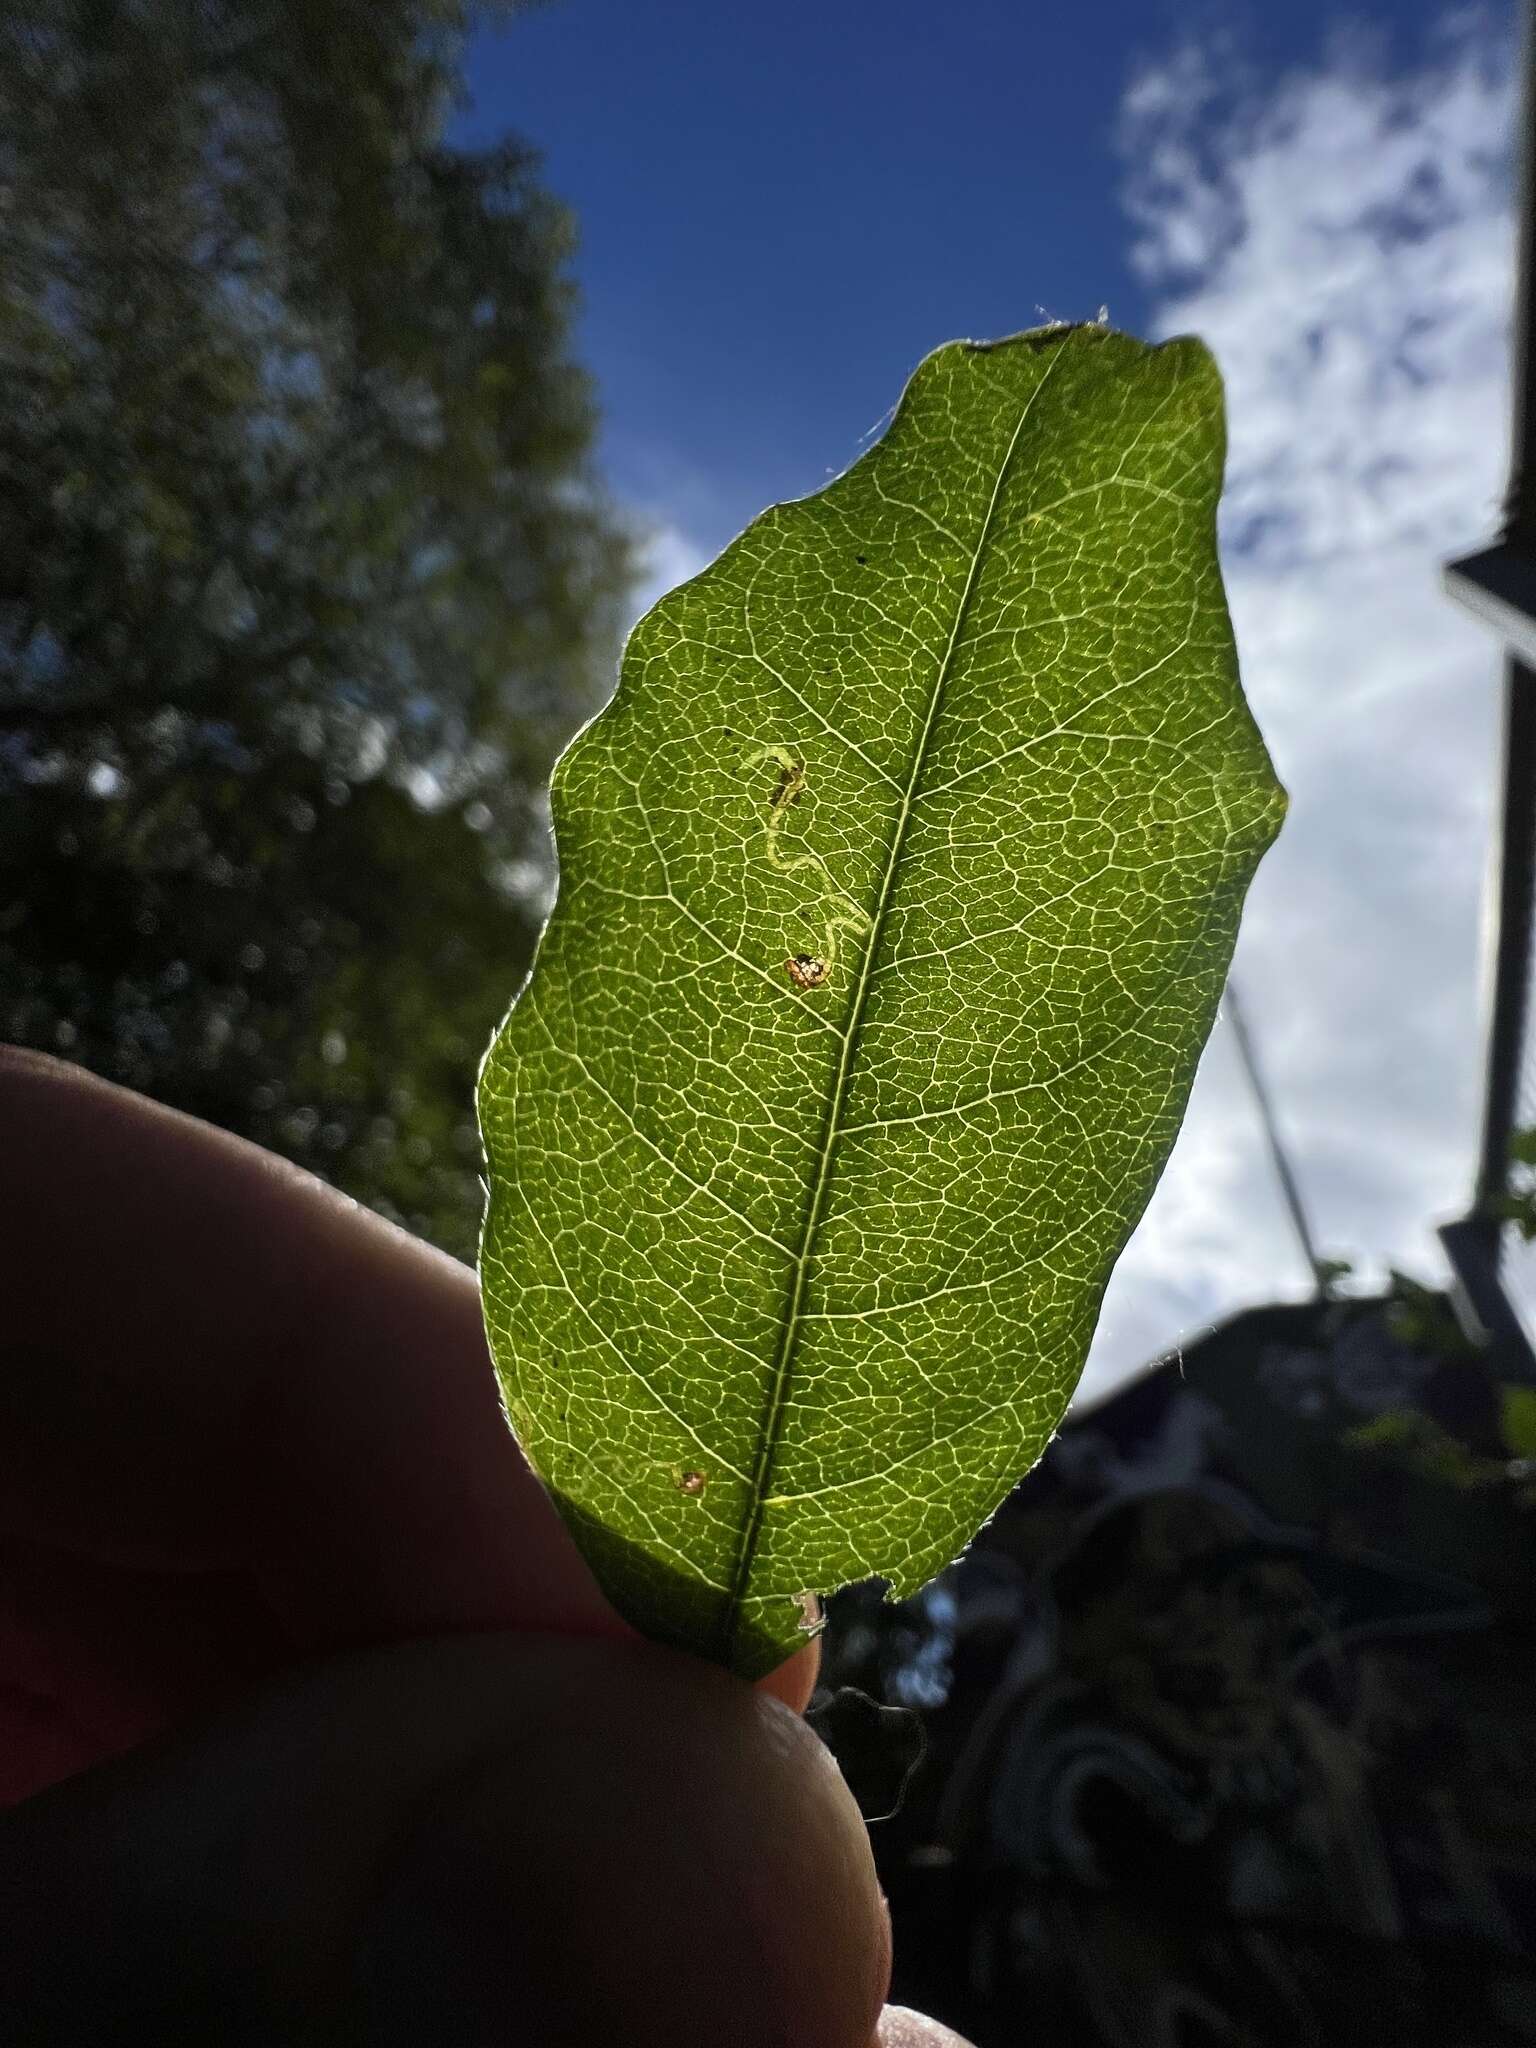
(795, 1680)
(500, 1838)
(728, 1889)
(900, 2027)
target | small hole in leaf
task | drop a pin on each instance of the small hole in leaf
(691, 1483)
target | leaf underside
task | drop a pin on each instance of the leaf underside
(898, 884)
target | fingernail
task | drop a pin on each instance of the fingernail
(900, 2027)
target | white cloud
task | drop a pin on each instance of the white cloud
(667, 557)
(1344, 243)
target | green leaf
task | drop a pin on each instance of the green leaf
(898, 885)
(1518, 1416)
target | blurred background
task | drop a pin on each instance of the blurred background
(367, 366)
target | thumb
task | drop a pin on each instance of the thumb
(482, 1839)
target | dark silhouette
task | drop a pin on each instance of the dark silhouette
(1231, 1707)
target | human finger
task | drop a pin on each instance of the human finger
(213, 1359)
(241, 1419)
(486, 1839)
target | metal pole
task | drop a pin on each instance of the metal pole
(1289, 1186)
(1515, 880)
(1512, 890)
(1499, 585)
(1520, 506)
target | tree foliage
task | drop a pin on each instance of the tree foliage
(304, 576)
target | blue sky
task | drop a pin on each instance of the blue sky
(783, 209)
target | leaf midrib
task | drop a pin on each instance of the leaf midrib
(776, 1403)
